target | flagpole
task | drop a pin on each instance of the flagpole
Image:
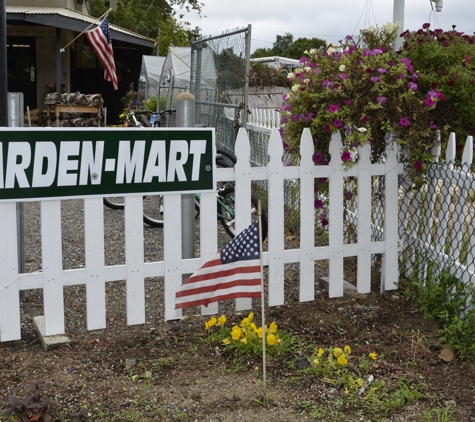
(259, 212)
(62, 50)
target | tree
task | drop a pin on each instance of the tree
(284, 46)
(146, 17)
(297, 49)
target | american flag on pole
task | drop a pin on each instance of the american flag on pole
(234, 272)
(101, 42)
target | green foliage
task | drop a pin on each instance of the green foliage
(285, 46)
(246, 338)
(445, 60)
(150, 104)
(261, 76)
(449, 302)
(147, 17)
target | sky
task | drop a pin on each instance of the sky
(330, 20)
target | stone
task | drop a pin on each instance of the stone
(49, 342)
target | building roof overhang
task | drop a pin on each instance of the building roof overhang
(71, 20)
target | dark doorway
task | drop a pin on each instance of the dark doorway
(21, 66)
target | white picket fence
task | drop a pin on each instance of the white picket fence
(437, 224)
(95, 275)
(264, 118)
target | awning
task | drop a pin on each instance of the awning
(71, 20)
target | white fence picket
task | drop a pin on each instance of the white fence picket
(9, 289)
(276, 235)
(52, 267)
(94, 260)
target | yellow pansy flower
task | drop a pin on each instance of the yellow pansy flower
(316, 362)
(236, 333)
(360, 382)
(373, 356)
(348, 350)
(342, 359)
(221, 320)
(271, 339)
(244, 340)
(259, 332)
(226, 341)
(245, 322)
(320, 352)
(337, 352)
(272, 327)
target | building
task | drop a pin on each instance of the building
(36, 36)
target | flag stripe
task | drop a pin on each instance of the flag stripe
(230, 274)
(100, 41)
(211, 287)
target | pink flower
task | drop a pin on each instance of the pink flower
(365, 119)
(333, 108)
(317, 157)
(404, 122)
(375, 79)
(308, 117)
(326, 128)
(324, 222)
(382, 99)
(346, 156)
(412, 86)
(429, 102)
(342, 76)
(418, 165)
(432, 125)
(349, 195)
(348, 102)
(337, 123)
(382, 70)
(318, 204)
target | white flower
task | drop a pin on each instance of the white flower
(306, 52)
(306, 81)
(290, 75)
(295, 87)
(308, 68)
(362, 129)
(313, 51)
(342, 68)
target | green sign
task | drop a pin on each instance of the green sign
(39, 163)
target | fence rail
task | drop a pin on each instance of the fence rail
(54, 278)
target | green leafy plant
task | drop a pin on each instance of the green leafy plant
(150, 104)
(246, 337)
(445, 61)
(33, 408)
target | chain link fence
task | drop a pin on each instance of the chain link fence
(437, 229)
(219, 82)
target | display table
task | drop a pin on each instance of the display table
(65, 108)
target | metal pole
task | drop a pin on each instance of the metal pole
(15, 119)
(246, 76)
(398, 16)
(185, 117)
(3, 65)
(58, 60)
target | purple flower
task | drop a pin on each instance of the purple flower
(407, 64)
(303, 59)
(318, 204)
(333, 108)
(412, 86)
(404, 122)
(365, 119)
(375, 79)
(429, 102)
(287, 107)
(284, 119)
(401, 76)
(381, 100)
(337, 123)
(324, 222)
(348, 37)
(326, 128)
(432, 125)
(297, 117)
(349, 195)
(308, 117)
(327, 83)
(418, 165)
(342, 76)
(382, 70)
(317, 157)
(346, 156)
(285, 145)
(348, 102)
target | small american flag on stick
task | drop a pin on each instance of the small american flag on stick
(234, 272)
(101, 42)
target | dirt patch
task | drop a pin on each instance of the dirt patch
(164, 371)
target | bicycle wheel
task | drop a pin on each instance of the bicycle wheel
(227, 216)
(115, 202)
(153, 210)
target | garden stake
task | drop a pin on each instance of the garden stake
(259, 212)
